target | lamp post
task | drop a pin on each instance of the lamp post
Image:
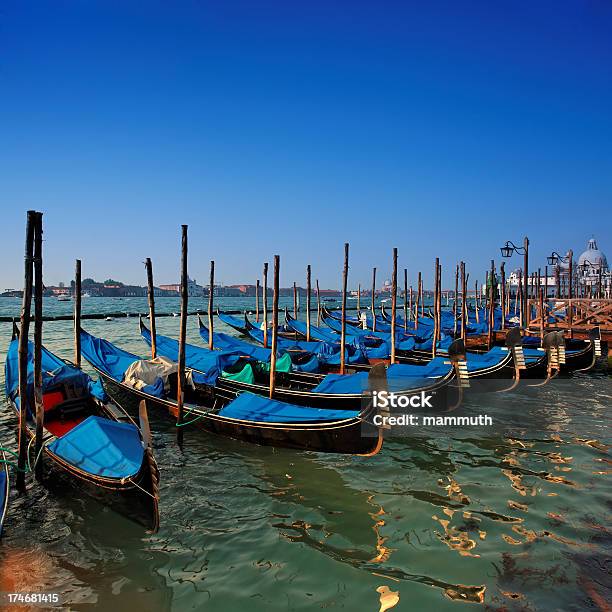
(507, 250)
(584, 266)
(554, 258)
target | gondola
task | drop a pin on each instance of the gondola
(328, 354)
(89, 440)
(302, 359)
(239, 325)
(340, 392)
(574, 355)
(4, 490)
(243, 416)
(374, 348)
(487, 370)
(283, 331)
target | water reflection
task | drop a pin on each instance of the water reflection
(514, 519)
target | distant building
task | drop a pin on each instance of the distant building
(593, 266)
(588, 272)
(193, 289)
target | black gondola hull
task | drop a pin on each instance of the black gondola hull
(344, 436)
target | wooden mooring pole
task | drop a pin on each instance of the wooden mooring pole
(23, 350)
(308, 303)
(77, 313)
(265, 305)
(463, 300)
(257, 301)
(435, 329)
(38, 325)
(343, 327)
(502, 272)
(456, 301)
(373, 299)
(151, 297)
(405, 299)
(274, 325)
(410, 304)
(418, 301)
(211, 297)
(393, 304)
(491, 316)
(180, 391)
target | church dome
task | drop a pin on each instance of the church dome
(593, 258)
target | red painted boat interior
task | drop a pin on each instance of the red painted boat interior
(55, 425)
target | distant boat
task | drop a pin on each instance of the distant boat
(86, 294)
(64, 297)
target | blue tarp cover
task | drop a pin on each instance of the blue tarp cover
(231, 321)
(210, 363)
(101, 447)
(106, 356)
(481, 361)
(250, 407)
(400, 377)
(532, 355)
(230, 343)
(55, 372)
(326, 352)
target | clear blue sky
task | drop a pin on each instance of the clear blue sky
(442, 128)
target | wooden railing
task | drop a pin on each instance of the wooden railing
(575, 315)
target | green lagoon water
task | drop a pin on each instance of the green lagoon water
(515, 518)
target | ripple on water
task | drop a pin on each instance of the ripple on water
(514, 518)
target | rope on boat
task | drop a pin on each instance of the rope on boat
(42, 448)
(189, 411)
(12, 463)
(139, 487)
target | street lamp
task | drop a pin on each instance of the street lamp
(584, 267)
(554, 258)
(507, 250)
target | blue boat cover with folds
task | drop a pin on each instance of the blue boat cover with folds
(436, 368)
(481, 361)
(400, 377)
(114, 361)
(369, 338)
(231, 321)
(313, 365)
(55, 372)
(285, 343)
(533, 355)
(250, 407)
(325, 352)
(443, 344)
(230, 343)
(105, 356)
(211, 363)
(315, 332)
(101, 447)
